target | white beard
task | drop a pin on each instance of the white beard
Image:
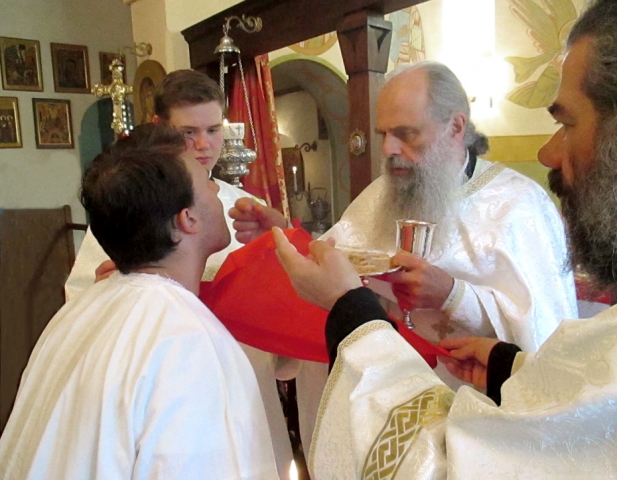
(430, 192)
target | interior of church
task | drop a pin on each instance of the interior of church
(320, 65)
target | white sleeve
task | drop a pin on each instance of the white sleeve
(383, 411)
(89, 257)
(519, 288)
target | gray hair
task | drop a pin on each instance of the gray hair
(446, 98)
(599, 23)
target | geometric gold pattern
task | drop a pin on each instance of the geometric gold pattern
(401, 430)
(479, 182)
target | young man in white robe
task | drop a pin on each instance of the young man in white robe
(192, 103)
(385, 414)
(135, 377)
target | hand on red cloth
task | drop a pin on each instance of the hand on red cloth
(253, 297)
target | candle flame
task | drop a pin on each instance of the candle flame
(294, 169)
(293, 471)
(225, 122)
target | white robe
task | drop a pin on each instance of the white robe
(91, 255)
(136, 378)
(386, 415)
(506, 248)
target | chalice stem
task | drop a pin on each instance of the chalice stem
(407, 320)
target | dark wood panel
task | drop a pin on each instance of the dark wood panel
(36, 254)
(285, 22)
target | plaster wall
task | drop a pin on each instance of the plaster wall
(38, 178)
(297, 119)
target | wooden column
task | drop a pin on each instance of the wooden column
(365, 38)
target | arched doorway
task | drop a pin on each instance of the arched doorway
(317, 82)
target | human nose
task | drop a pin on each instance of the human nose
(202, 142)
(390, 146)
(552, 153)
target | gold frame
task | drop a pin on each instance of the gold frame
(7, 44)
(65, 130)
(61, 53)
(151, 73)
(10, 103)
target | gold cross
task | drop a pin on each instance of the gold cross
(118, 91)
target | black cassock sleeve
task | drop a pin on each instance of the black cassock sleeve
(499, 368)
(351, 311)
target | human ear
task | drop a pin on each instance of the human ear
(186, 221)
(457, 126)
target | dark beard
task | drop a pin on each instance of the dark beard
(589, 207)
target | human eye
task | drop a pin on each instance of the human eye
(188, 132)
(405, 134)
(215, 129)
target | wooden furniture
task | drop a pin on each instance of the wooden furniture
(36, 255)
(364, 36)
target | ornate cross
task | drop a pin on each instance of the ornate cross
(118, 91)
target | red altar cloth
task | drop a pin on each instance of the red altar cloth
(253, 297)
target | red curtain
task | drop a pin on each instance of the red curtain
(267, 177)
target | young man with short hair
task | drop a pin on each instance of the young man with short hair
(135, 377)
(192, 103)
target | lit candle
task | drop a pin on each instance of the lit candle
(294, 169)
(293, 471)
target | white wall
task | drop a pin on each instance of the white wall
(36, 178)
(159, 22)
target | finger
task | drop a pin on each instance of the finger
(288, 254)
(107, 267)
(320, 248)
(244, 226)
(407, 261)
(451, 343)
(245, 204)
(330, 241)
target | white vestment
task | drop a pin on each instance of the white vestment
(386, 415)
(136, 378)
(506, 249)
(91, 255)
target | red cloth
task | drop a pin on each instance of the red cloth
(253, 297)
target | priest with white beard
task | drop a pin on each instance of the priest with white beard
(497, 263)
(485, 274)
(135, 377)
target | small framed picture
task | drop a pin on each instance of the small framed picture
(21, 64)
(105, 59)
(53, 127)
(71, 68)
(10, 129)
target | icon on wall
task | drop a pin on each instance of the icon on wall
(71, 68)
(10, 129)
(21, 64)
(105, 59)
(53, 127)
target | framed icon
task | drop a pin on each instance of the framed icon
(105, 59)
(71, 68)
(10, 128)
(53, 126)
(21, 64)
